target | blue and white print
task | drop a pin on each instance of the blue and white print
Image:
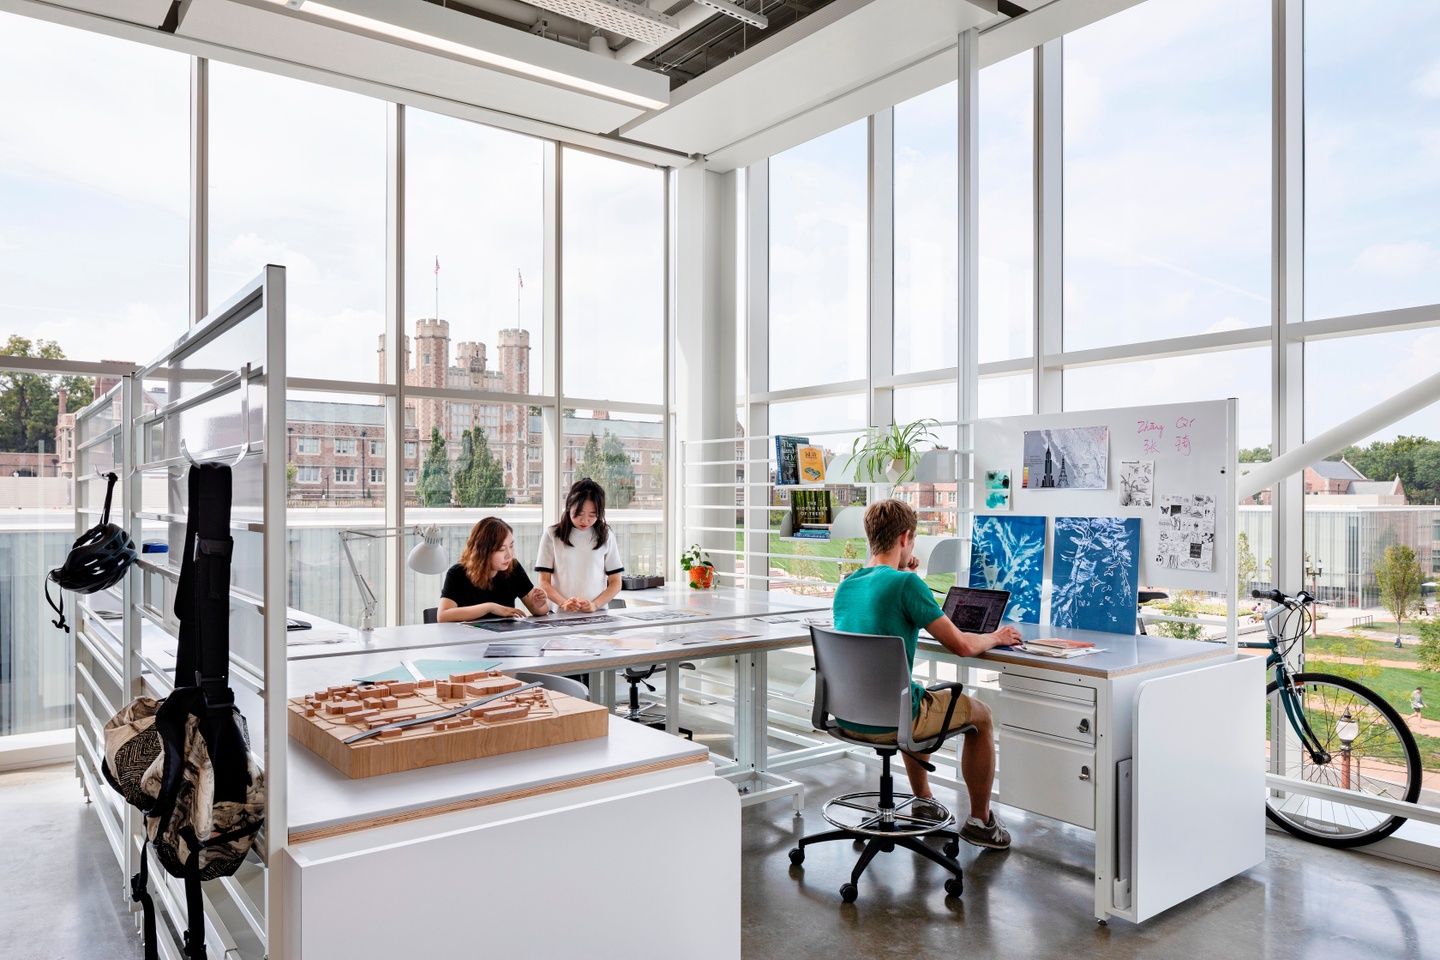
(1008, 553)
(1097, 571)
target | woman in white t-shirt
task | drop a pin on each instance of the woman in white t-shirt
(579, 562)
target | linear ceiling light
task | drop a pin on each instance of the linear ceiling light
(738, 12)
(633, 20)
(385, 29)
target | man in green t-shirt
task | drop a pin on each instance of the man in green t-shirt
(888, 599)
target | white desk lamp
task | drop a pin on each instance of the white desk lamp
(427, 556)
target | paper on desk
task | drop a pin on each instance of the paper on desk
(713, 635)
(302, 638)
(579, 643)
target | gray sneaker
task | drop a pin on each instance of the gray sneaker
(992, 834)
(926, 809)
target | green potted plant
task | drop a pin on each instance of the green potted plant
(696, 562)
(892, 453)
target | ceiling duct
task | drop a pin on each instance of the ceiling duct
(735, 10)
(633, 20)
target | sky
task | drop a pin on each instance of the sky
(1167, 197)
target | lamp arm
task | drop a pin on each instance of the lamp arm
(367, 595)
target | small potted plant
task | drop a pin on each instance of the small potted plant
(696, 562)
(892, 453)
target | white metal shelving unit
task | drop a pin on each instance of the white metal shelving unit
(209, 397)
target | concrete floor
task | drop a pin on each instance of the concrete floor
(60, 894)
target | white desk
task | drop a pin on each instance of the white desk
(1155, 744)
(487, 857)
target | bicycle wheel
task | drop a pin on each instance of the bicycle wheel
(1380, 760)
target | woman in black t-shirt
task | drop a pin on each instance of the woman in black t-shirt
(487, 580)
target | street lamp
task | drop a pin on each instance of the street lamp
(1314, 572)
(1347, 730)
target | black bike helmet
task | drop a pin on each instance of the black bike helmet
(97, 560)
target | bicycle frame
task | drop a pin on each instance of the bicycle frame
(1285, 684)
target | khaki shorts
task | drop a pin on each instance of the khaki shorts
(929, 720)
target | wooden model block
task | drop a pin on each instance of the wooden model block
(425, 684)
(401, 689)
(443, 688)
(486, 686)
(373, 703)
(389, 703)
(539, 719)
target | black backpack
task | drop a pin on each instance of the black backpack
(185, 761)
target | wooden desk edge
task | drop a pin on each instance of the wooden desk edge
(1061, 665)
(354, 826)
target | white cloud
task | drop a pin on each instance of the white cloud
(6, 246)
(1428, 83)
(1407, 259)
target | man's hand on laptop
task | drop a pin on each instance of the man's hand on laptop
(1006, 636)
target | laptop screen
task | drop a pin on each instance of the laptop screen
(976, 611)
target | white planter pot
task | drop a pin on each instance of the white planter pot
(894, 471)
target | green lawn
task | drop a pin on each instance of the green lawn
(1392, 628)
(1346, 646)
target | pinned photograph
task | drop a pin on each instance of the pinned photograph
(1187, 532)
(1070, 458)
(997, 489)
(1137, 483)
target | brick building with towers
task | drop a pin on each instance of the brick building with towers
(428, 364)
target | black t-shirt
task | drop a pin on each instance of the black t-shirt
(505, 588)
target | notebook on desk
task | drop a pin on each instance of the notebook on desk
(976, 611)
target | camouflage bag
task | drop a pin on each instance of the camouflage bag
(184, 761)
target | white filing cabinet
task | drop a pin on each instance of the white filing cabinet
(1047, 748)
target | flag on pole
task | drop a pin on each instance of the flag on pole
(521, 277)
(437, 264)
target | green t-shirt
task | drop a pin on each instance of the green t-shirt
(892, 603)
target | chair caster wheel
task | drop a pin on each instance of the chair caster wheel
(954, 887)
(849, 892)
(952, 847)
(858, 844)
(887, 847)
(797, 856)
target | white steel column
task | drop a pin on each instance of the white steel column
(967, 196)
(881, 401)
(704, 368)
(275, 574)
(1049, 224)
(757, 367)
(199, 189)
(552, 419)
(1287, 363)
(395, 363)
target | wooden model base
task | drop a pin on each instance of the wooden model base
(531, 718)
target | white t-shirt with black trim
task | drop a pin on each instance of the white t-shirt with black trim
(578, 569)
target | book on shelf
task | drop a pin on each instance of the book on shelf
(810, 509)
(812, 533)
(787, 461)
(812, 464)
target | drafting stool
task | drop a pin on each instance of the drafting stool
(866, 679)
(637, 676)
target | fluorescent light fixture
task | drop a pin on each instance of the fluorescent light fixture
(738, 12)
(343, 12)
(633, 20)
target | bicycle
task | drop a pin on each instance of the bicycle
(1344, 735)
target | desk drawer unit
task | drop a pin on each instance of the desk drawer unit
(1066, 719)
(1048, 776)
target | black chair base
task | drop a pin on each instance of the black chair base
(638, 713)
(883, 826)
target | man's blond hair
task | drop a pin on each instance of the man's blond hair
(886, 521)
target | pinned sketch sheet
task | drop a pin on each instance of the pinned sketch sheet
(1067, 458)
(1187, 532)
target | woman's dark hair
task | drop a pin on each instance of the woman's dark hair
(487, 537)
(580, 491)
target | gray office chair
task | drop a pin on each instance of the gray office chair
(866, 680)
(566, 685)
(431, 614)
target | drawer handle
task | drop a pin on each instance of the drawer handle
(1084, 726)
(1084, 773)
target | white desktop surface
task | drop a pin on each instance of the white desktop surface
(1122, 655)
(322, 798)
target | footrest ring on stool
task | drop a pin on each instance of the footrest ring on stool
(861, 813)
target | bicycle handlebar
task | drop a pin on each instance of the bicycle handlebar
(1274, 595)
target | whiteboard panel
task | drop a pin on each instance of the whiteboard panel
(1192, 445)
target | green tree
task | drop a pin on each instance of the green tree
(619, 472)
(291, 471)
(463, 476)
(486, 479)
(1429, 652)
(434, 487)
(1398, 575)
(1183, 604)
(1245, 565)
(1254, 455)
(30, 403)
(1415, 460)
(1354, 657)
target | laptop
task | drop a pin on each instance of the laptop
(976, 611)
